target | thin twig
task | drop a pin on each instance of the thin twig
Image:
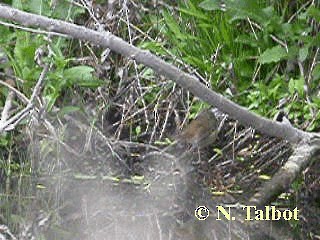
(22, 97)
(11, 123)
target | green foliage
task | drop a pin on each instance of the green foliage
(263, 97)
(296, 85)
(256, 48)
(81, 76)
(25, 44)
(65, 77)
(274, 54)
(21, 48)
(61, 9)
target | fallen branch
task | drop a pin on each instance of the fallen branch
(191, 83)
(282, 130)
(282, 180)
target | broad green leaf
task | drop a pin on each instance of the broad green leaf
(248, 9)
(77, 73)
(211, 5)
(24, 50)
(274, 54)
(148, 73)
(81, 76)
(303, 53)
(291, 86)
(299, 85)
(296, 85)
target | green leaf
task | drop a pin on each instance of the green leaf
(316, 72)
(153, 46)
(246, 40)
(299, 85)
(93, 83)
(6, 35)
(65, 10)
(78, 73)
(38, 6)
(138, 130)
(81, 76)
(248, 8)
(211, 5)
(314, 12)
(303, 53)
(291, 86)
(274, 54)
(195, 13)
(51, 99)
(3, 141)
(218, 151)
(24, 50)
(296, 85)
(173, 26)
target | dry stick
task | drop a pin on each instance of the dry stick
(5, 114)
(191, 83)
(7, 107)
(5, 230)
(284, 177)
(21, 96)
(13, 121)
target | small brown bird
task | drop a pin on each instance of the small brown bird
(201, 131)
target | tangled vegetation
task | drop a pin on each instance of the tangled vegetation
(263, 55)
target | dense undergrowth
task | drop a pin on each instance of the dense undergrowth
(264, 55)
(261, 54)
